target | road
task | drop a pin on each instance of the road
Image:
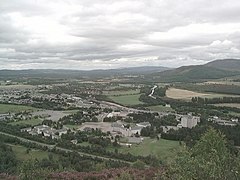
(64, 149)
(132, 110)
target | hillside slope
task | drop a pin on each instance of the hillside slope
(213, 70)
(225, 64)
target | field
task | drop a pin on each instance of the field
(116, 93)
(6, 108)
(237, 105)
(32, 122)
(18, 86)
(22, 155)
(183, 94)
(127, 99)
(175, 93)
(72, 126)
(160, 108)
(165, 150)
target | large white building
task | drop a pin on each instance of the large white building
(189, 121)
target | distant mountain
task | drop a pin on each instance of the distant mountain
(62, 73)
(226, 64)
(213, 70)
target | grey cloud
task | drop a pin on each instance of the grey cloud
(90, 34)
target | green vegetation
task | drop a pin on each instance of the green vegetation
(118, 93)
(32, 122)
(72, 126)
(163, 149)
(160, 108)
(127, 99)
(192, 74)
(6, 108)
(22, 153)
(216, 88)
(210, 158)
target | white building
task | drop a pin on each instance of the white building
(189, 121)
(143, 124)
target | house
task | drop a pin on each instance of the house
(143, 124)
(225, 122)
(136, 130)
(26, 129)
(5, 116)
(62, 131)
(74, 141)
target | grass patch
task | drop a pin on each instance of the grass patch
(165, 150)
(31, 122)
(160, 108)
(72, 126)
(22, 155)
(11, 108)
(127, 99)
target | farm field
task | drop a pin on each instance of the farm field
(11, 108)
(32, 122)
(183, 94)
(160, 108)
(175, 93)
(165, 150)
(127, 99)
(22, 155)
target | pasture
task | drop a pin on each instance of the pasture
(127, 99)
(163, 149)
(22, 155)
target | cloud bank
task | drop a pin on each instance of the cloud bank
(92, 34)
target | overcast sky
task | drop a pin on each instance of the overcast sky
(94, 34)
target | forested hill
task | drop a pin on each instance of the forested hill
(64, 73)
(225, 64)
(214, 70)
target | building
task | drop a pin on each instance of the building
(189, 121)
(143, 124)
(136, 130)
